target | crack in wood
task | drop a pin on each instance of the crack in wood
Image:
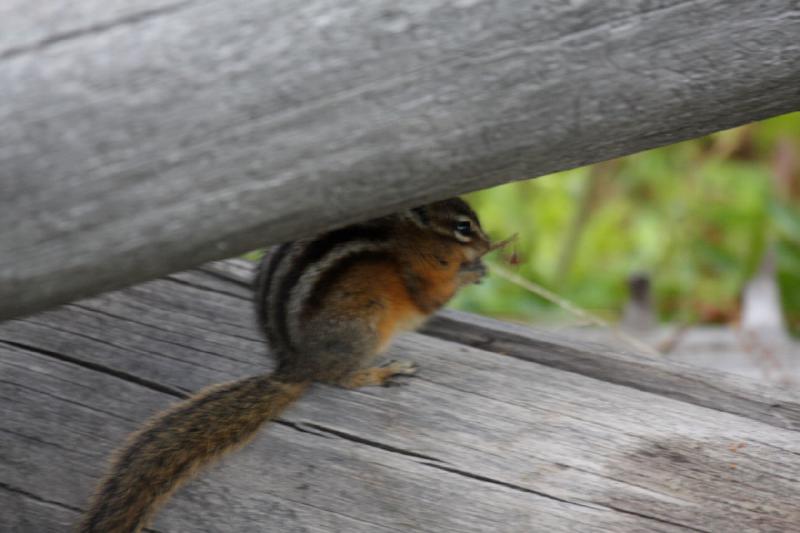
(508, 485)
(245, 281)
(172, 332)
(65, 400)
(657, 519)
(152, 385)
(175, 279)
(299, 426)
(146, 293)
(373, 443)
(593, 505)
(95, 29)
(143, 302)
(38, 498)
(42, 441)
(133, 348)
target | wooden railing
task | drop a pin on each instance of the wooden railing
(142, 138)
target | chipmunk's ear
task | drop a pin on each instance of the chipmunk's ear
(419, 216)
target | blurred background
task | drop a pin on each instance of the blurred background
(690, 251)
(691, 247)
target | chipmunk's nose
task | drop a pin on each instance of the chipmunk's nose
(481, 248)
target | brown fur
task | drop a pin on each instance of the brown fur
(349, 292)
(174, 445)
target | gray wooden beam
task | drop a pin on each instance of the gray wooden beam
(137, 140)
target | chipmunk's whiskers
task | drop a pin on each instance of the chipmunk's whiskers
(501, 244)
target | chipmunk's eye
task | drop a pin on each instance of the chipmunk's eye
(464, 228)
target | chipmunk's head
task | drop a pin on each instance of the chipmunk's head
(454, 220)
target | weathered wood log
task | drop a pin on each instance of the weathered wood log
(143, 138)
(478, 441)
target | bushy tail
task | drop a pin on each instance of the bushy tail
(177, 443)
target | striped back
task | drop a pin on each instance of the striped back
(295, 277)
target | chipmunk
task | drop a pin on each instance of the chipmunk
(328, 306)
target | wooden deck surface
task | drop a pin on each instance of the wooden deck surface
(504, 429)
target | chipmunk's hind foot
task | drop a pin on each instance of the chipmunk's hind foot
(379, 375)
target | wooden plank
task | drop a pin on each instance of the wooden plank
(478, 442)
(144, 140)
(288, 479)
(776, 405)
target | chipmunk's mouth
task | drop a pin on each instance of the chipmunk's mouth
(477, 266)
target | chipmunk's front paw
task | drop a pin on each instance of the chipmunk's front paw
(401, 366)
(472, 272)
(398, 367)
(377, 375)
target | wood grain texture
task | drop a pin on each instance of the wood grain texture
(143, 138)
(776, 405)
(479, 441)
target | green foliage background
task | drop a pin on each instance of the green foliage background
(696, 216)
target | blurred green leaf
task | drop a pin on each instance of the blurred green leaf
(696, 216)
